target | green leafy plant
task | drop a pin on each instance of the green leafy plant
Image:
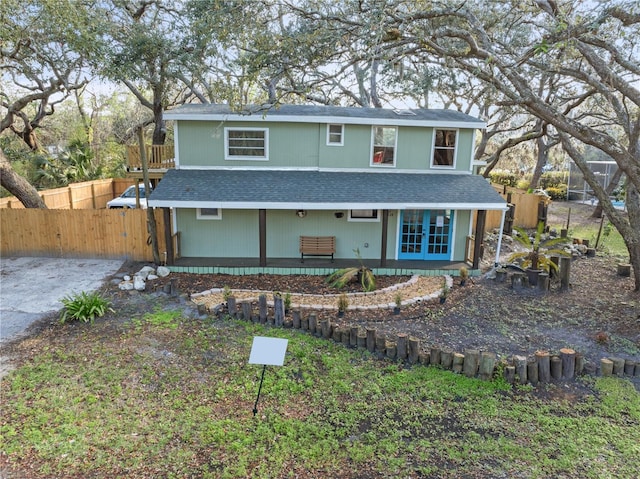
(444, 292)
(360, 274)
(84, 307)
(464, 275)
(398, 299)
(343, 302)
(538, 251)
(287, 301)
(226, 293)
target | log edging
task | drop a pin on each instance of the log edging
(539, 367)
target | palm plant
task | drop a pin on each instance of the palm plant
(538, 252)
(361, 274)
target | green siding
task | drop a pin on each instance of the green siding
(304, 145)
(233, 236)
(462, 219)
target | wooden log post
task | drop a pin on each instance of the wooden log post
(381, 345)
(568, 360)
(624, 269)
(371, 339)
(501, 275)
(246, 310)
(313, 323)
(232, 307)
(263, 310)
(590, 368)
(471, 361)
(520, 363)
(434, 355)
(457, 361)
(579, 364)
(414, 350)
(629, 367)
(278, 310)
(544, 366)
(618, 366)
(636, 371)
(517, 281)
(565, 273)
(336, 334)
(487, 365)
(556, 367)
(304, 323)
(543, 282)
(325, 327)
(532, 371)
(295, 316)
(353, 336)
(424, 358)
(390, 348)
(446, 358)
(402, 346)
(345, 336)
(510, 374)
(362, 340)
(606, 367)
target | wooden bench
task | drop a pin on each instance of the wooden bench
(317, 246)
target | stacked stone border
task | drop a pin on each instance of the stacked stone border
(542, 367)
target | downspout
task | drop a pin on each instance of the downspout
(497, 260)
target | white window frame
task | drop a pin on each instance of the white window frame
(335, 143)
(204, 216)
(228, 156)
(454, 148)
(373, 146)
(372, 219)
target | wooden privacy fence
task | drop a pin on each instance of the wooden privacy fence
(526, 209)
(104, 233)
(87, 195)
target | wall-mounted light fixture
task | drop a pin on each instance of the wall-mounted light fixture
(338, 214)
(301, 213)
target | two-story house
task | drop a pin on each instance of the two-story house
(397, 185)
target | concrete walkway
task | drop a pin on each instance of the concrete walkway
(31, 288)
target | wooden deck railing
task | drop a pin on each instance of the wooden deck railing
(159, 157)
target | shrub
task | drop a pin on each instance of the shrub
(503, 178)
(84, 307)
(554, 179)
(557, 192)
(522, 184)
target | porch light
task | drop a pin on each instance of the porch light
(301, 213)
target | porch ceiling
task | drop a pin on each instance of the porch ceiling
(287, 189)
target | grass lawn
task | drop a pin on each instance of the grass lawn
(168, 397)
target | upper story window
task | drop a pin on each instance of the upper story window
(246, 143)
(335, 135)
(384, 146)
(444, 149)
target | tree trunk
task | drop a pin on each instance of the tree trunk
(18, 186)
(613, 183)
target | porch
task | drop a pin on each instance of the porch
(314, 266)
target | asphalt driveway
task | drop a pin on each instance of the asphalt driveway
(31, 288)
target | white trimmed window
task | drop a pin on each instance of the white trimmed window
(364, 215)
(246, 143)
(444, 148)
(335, 134)
(384, 146)
(209, 213)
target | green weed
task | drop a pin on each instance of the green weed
(84, 307)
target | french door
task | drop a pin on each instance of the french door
(425, 234)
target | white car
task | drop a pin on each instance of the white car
(128, 199)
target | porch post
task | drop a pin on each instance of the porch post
(168, 240)
(383, 242)
(262, 233)
(497, 260)
(477, 247)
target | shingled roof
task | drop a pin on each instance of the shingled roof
(285, 189)
(326, 114)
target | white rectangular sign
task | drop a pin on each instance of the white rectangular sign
(268, 351)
